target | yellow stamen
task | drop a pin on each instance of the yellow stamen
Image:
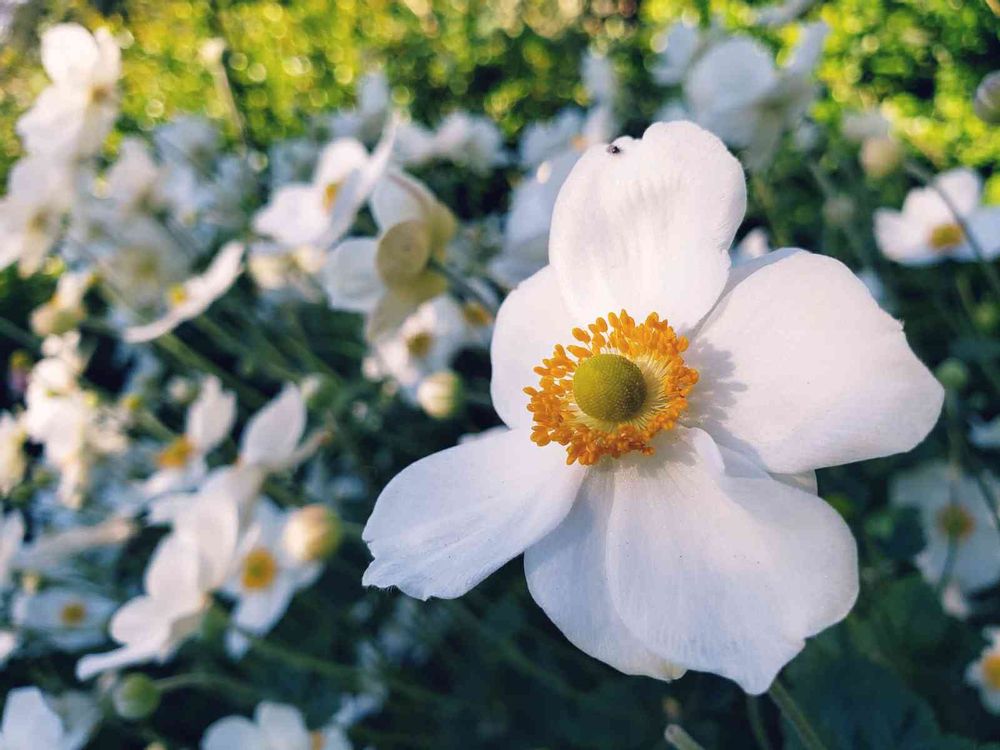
(611, 393)
(991, 670)
(176, 455)
(946, 237)
(330, 195)
(419, 344)
(476, 315)
(72, 614)
(259, 569)
(955, 522)
(177, 295)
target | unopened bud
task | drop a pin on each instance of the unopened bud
(135, 697)
(987, 101)
(441, 395)
(838, 210)
(881, 156)
(312, 533)
(953, 374)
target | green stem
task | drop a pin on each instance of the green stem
(756, 720)
(680, 739)
(207, 681)
(795, 716)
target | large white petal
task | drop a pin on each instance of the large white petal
(568, 578)
(800, 368)
(283, 726)
(723, 573)
(294, 216)
(211, 416)
(647, 224)
(449, 520)
(273, 433)
(350, 278)
(28, 721)
(530, 322)
(963, 186)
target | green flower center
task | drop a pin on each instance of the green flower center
(609, 387)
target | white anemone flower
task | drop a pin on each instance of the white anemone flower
(65, 310)
(984, 673)
(264, 577)
(470, 141)
(70, 619)
(34, 720)
(274, 438)
(74, 114)
(188, 565)
(959, 528)
(192, 297)
(39, 192)
(208, 422)
(680, 47)
(275, 726)
(659, 476)
(736, 91)
(321, 212)
(13, 461)
(929, 230)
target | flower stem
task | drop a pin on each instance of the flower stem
(795, 716)
(757, 723)
(680, 739)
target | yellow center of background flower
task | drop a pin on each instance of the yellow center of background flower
(72, 614)
(991, 671)
(955, 522)
(259, 569)
(611, 393)
(176, 455)
(330, 195)
(419, 344)
(946, 236)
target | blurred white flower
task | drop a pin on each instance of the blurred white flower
(599, 78)
(64, 311)
(470, 141)
(756, 560)
(70, 619)
(927, 230)
(960, 530)
(366, 120)
(72, 117)
(736, 91)
(571, 130)
(287, 271)
(11, 540)
(679, 48)
(187, 138)
(441, 394)
(39, 192)
(274, 438)
(755, 244)
(860, 126)
(47, 552)
(275, 726)
(986, 434)
(192, 297)
(984, 673)
(13, 461)
(264, 577)
(32, 720)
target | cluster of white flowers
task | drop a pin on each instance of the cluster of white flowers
(666, 396)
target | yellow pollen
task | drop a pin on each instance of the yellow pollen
(946, 237)
(612, 392)
(955, 522)
(259, 569)
(476, 315)
(419, 344)
(177, 294)
(72, 614)
(991, 670)
(176, 455)
(330, 195)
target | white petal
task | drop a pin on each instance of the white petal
(350, 279)
(294, 216)
(273, 433)
(648, 228)
(984, 225)
(449, 520)
(210, 417)
(902, 239)
(721, 573)
(233, 732)
(530, 322)
(173, 573)
(282, 725)
(92, 665)
(338, 160)
(568, 578)
(800, 368)
(28, 721)
(69, 54)
(397, 197)
(963, 188)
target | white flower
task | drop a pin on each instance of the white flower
(13, 462)
(736, 91)
(984, 672)
(209, 420)
(319, 213)
(191, 298)
(928, 230)
(32, 721)
(285, 270)
(45, 553)
(188, 565)
(662, 491)
(70, 619)
(571, 130)
(986, 434)
(273, 437)
(960, 531)
(64, 310)
(11, 539)
(469, 141)
(188, 138)
(275, 726)
(264, 577)
(73, 115)
(373, 106)
(755, 244)
(133, 182)
(680, 47)
(599, 78)
(39, 191)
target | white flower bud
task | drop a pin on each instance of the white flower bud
(441, 395)
(987, 101)
(881, 156)
(312, 533)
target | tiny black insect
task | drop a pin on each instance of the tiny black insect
(613, 149)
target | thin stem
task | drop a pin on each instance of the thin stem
(206, 681)
(680, 739)
(15, 332)
(795, 716)
(756, 720)
(463, 287)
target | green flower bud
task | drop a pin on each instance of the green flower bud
(953, 374)
(135, 697)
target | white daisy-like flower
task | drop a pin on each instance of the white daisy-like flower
(984, 673)
(960, 531)
(70, 619)
(264, 577)
(321, 212)
(275, 726)
(33, 720)
(208, 422)
(64, 311)
(190, 563)
(39, 192)
(928, 230)
(74, 114)
(666, 414)
(13, 461)
(192, 297)
(736, 91)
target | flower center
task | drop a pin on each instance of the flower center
(72, 614)
(176, 455)
(330, 195)
(955, 522)
(946, 237)
(991, 670)
(177, 295)
(419, 344)
(259, 569)
(476, 315)
(610, 396)
(316, 740)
